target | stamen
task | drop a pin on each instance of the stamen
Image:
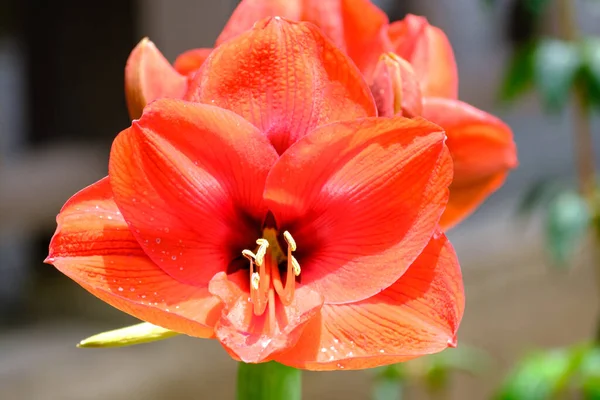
(262, 294)
(295, 266)
(262, 251)
(249, 255)
(255, 280)
(290, 240)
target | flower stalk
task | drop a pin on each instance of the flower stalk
(268, 381)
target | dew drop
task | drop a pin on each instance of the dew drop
(157, 240)
(143, 296)
(167, 230)
(173, 258)
(109, 217)
(382, 351)
(323, 350)
(120, 289)
(132, 289)
(181, 268)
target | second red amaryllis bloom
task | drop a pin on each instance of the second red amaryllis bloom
(325, 254)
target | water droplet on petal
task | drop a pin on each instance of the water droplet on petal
(157, 240)
(120, 289)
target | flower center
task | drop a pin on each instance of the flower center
(265, 279)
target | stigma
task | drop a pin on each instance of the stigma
(265, 277)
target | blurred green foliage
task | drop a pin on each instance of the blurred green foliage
(572, 372)
(567, 223)
(555, 68)
(433, 371)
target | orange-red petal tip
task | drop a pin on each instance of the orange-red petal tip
(149, 76)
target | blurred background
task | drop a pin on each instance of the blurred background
(62, 103)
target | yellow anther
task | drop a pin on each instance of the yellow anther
(262, 251)
(255, 280)
(249, 255)
(290, 240)
(295, 266)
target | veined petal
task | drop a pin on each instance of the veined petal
(417, 315)
(357, 194)
(354, 26)
(285, 78)
(94, 246)
(482, 149)
(149, 76)
(257, 338)
(429, 51)
(189, 62)
(189, 180)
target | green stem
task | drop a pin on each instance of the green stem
(268, 381)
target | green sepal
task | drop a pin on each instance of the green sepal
(128, 336)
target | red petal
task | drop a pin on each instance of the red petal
(354, 26)
(189, 180)
(395, 87)
(149, 76)
(427, 48)
(93, 246)
(285, 78)
(251, 337)
(417, 315)
(248, 12)
(365, 36)
(189, 62)
(361, 198)
(482, 149)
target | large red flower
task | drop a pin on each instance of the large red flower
(323, 254)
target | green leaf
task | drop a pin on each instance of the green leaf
(268, 381)
(556, 65)
(590, 82)
(538, 377)
(518, 77)
(135, 334)
(567, 221)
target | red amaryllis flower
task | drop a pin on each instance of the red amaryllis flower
(327, 256)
